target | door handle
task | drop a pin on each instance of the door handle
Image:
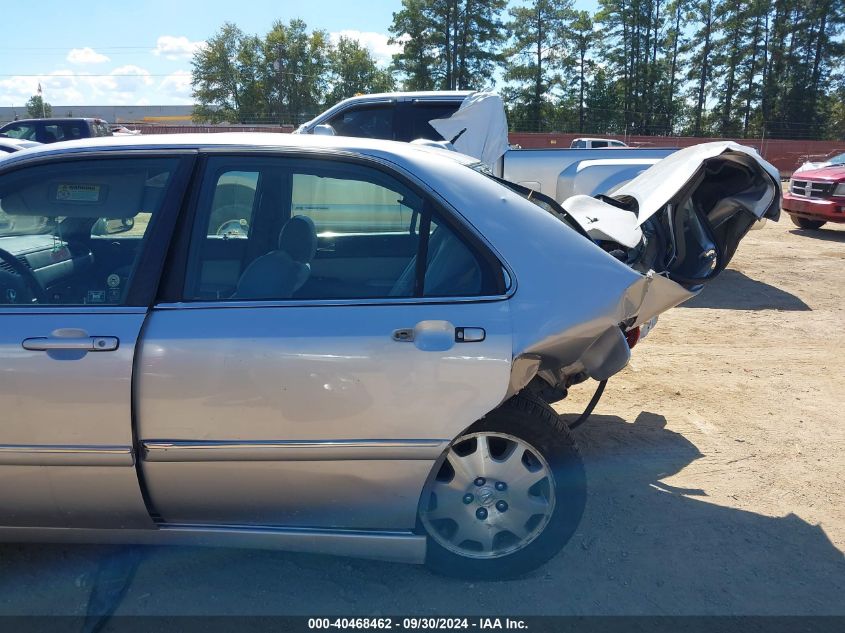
(438, 336)
(87, 344)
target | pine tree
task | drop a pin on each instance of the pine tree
(448, 44)
(537, 52)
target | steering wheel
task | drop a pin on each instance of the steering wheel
(25, 273)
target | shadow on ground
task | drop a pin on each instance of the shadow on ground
(824, 234)
(732, 290)
(643, 547)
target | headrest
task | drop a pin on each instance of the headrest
(298, 238)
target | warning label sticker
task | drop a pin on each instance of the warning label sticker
(78, 193)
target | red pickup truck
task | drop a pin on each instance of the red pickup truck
(817, 196)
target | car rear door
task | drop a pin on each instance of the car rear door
(69, 330)
(325, 408)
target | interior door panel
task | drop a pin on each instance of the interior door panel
(357, 265)
(221, 266)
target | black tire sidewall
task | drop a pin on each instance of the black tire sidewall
(807, 224)
(534, 422)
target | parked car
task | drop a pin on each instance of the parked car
(817, 196)
(357, 369)
(9, 145)
(408, 116)
(54, 130)
(823, 161)
(595, 143)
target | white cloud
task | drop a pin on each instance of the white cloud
(85, 56)
(173, 47)
(130, 72)
(15, 91)
(375, 42)
(125, 85)
(177, 87)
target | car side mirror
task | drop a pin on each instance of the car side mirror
(324, 129)
(112, 226)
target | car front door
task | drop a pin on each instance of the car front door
(68, 333)
(323, 402)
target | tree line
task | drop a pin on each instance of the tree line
(741, 68)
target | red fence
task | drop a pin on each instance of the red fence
(786, 155)
(202, 129)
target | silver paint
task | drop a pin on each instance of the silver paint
(283, 379)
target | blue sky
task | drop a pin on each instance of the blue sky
(108, 53)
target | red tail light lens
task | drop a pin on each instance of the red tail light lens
(632, 336)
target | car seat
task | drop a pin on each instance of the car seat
(281, 272)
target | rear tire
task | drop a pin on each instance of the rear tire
(515, 483)
(804, 223)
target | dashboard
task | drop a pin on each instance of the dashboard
(59, 267)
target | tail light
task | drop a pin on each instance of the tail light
(632, 336)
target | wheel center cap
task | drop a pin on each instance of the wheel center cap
(486, 496)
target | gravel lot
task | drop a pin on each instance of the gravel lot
(715, 465)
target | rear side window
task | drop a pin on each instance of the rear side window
(417, 116)
(324, 229)
(53, 133)
(598, 144)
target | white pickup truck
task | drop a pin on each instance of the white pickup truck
(558, 173)
(609, 192)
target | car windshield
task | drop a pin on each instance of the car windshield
(839, 159)
(31, 225)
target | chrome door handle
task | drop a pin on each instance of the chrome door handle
(462, 334)
(87, 344)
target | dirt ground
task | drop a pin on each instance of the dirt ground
(715, 465)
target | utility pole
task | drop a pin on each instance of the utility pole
(41, 96)
(279, 68)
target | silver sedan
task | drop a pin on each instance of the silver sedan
(326, 344)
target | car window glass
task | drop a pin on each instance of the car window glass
(53, 133)
(341, 205)
(597, 144)
(580, 144)
(73, 130)
(418, 117)
(232, 204)
(327, 230)
(365, 122)
(21, 130)
(71, 232)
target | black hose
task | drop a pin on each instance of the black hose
(592, 405)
